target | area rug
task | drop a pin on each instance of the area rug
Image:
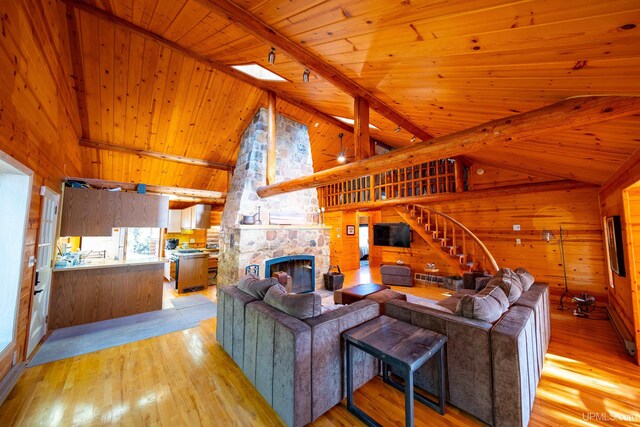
(82, 339)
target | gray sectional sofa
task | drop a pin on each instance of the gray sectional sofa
(493, 370)
(296, 365)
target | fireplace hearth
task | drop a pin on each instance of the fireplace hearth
(301, 268)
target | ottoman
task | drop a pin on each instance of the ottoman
(381, 297)
(399, 275)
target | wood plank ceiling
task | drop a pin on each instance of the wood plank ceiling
(446, 66)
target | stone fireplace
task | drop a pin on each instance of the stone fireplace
(289, 235)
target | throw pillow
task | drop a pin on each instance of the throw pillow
(509, 282)
(526, 279)
(487, 305)
(300, 306)
(256, 287)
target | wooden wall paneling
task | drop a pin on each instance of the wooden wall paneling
(623, 295)
(334, 221)
(344, 250)
(632, 213)
(39, 121)
(492, 220)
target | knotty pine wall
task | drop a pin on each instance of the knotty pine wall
(492, 221)
(624, 297)
(39, 124)
(343, 249)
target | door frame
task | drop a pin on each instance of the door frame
(43, 192)
(13, 163)
(632, 271)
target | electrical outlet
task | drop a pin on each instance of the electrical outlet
(518, 241)
(192, 240)
(516, 227)
(32, 261)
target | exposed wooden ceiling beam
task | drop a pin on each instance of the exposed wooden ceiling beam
(485, 193)
(180, 193)
(122, 23)
(564, 115)
(153, 154)
(252, 25)
(78, 69)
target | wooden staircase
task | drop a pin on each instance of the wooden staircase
(456, 244)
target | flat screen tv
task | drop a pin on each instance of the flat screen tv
(392, 234)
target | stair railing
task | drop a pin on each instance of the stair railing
(449, 230)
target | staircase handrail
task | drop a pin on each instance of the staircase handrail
(475, 238)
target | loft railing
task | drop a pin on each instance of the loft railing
(435, 177)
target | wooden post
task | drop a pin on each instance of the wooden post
(271, 139)
(361, 138)
(459, 176)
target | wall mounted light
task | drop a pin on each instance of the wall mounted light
(396, 130)
(272, 56)
(413, 138)
(305, 75)
(480, 171)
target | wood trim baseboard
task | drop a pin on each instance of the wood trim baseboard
(10, 380)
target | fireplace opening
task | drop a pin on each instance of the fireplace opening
(301, 268)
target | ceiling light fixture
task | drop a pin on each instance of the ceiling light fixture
(413, 138)
(396, 130)
(272, 56)
(341, 156)
(305, 75)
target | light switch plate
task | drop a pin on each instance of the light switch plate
(32, 261)
(516, 227)
(192, 240)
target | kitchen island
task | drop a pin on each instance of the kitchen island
(104, 289)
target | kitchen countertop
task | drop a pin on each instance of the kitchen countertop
(100, 263)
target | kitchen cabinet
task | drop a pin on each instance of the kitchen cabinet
(201, 216)
(186, 218)
(142, 210)
(87, 212)
(90, 212)
(175, 221)
(196, 217)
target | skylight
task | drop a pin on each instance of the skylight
(258, 72)
(351, 122)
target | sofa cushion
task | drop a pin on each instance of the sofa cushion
(487, 305)
(300, 306)
(526, 278)
(256, 287)
(509, 282)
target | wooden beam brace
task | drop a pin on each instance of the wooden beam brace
(271, 138)
(564, 115)
(485, 193)
(224, 68)
(252, 25)
(362, 141)
(153, 154)
(157, 189)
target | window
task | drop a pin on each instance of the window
(142, 242)
(258, 72)
(15, 188)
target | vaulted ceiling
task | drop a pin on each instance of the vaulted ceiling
(444, 66)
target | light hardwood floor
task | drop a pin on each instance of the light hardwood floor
(186, 379)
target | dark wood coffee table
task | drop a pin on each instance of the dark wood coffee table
(358, 292)
(404, 348)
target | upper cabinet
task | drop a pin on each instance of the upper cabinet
(175, 221)
(196, 217)
(89, 212)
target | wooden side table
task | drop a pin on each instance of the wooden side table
(404, 348)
